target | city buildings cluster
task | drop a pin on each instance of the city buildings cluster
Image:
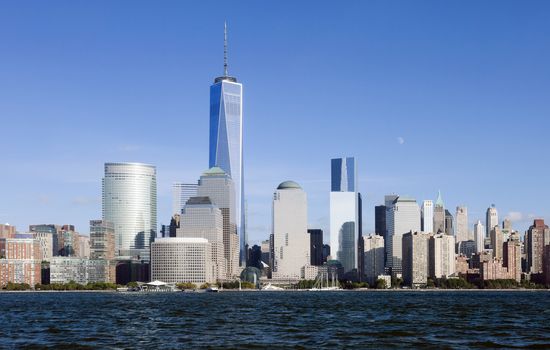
(206, 240)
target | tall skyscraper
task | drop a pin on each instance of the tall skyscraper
(130, 203)
(479, 236)
(416, 260)
(218, 185)
(404, 217)
(201, 218)
(388, 203)
(462, 233)
(497, 242)
(316, 247)
(380, 220)
(439, 215)
(181, 192)
(226, 139)
(491, 219)
(290, 237)
(344, 212)
(449, 230)
(442, 255)
(427, 223)
(537, 237)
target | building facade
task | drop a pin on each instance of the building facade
(130, 203)
(491, 219)
(479, 236)
(427, 224)
(291, 240)
(439, 215)
(316, 247)
(442, 255)
(536, 238)
(415, 259)
(181, 192)
(404, 217)
(373, 256)
(462, 231)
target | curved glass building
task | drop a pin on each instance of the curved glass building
(130, 203)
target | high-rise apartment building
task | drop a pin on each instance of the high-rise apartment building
(415, 258)
(200, 218)
(404, 216)
(181, 192)
(427, 223)
(102, 240)
(491, 219)
(439, 215)
(373, 255)
(20, 261)
(130, 203)
(51, 229)
(479, 236)
(219, 187)
(536, 238)
(442, 255)
(226, 140)
(462, 231)
(291, 241)
(512, 257)
(497, 242)
(344, 212)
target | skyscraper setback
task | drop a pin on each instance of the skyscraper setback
(226, 138)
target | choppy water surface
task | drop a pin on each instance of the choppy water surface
(275, 319)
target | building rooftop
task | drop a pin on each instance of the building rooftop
(214, 171)
(199, 200)
(287, 185)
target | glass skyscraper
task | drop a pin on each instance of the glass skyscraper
(130, 203)
(344, 213)
(226, 140)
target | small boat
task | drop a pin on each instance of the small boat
(212, 290)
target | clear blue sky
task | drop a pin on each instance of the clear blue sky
(427, 95)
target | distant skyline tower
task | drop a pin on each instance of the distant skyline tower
(428, 216)
(479, 236)
(130, 204)
(491, 219)
(449, 223)
(462, 232)
(181, 192)
(439, 215)
(403, 217)
(344, 212)
(226, 139)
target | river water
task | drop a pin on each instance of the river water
(259, 320)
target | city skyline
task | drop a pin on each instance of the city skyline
(60, 180)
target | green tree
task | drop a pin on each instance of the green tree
(381, 284)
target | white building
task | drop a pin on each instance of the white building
(373, 255)
(130, 203)
(461, 232)
(83, 249)
(181, 192)
(428, 216)
(403, 217)
(83, 271)
(491, 220)
(218, 185)
(479, 236)
(200, 218)
(291, 240)
(415, 259)
(179, 259)
(309, 272)
(442, 255)
(344, 212)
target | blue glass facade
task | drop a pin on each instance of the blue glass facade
(343, 175)
(226, 143)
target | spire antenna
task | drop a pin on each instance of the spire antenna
(225, 49)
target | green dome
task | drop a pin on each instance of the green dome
(214, 171)
(247, 274)
(288, 185)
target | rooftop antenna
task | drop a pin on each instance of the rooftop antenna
(225, 49)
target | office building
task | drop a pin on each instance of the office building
(439, 215)
(373, 256)
(491, 219)
(415, 258)
(462, 231)
(226, 140)
(130, 204)
(404, 216)
(182, 259)
(427, 223)
(291, 240)
(200, 218)
(216, 184)
(181, 192)
(497, 242)
(53, 230)
(479, 236)
(380, 220)
(316, 247)
(536, 238)
(449, 229)
(388, 203)
(441, 255)
(344, 212)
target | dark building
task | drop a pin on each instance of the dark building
(254, 257)
(326, 252)
(132, 271)
(380, 220)
(315, 247)
(449, 223)
(360, 242)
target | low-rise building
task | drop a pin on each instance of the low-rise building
(309, 272)
(83, 271)
(493, 270)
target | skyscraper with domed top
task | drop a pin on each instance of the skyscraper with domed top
(226, 139)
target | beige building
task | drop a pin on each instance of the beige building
(46, 244)
(415, 259)
(7, 231)
(102, 246)
(493, 270)
(512, 257)
(442, 255)
(373, 255)
(497, 242)
(182, 259)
